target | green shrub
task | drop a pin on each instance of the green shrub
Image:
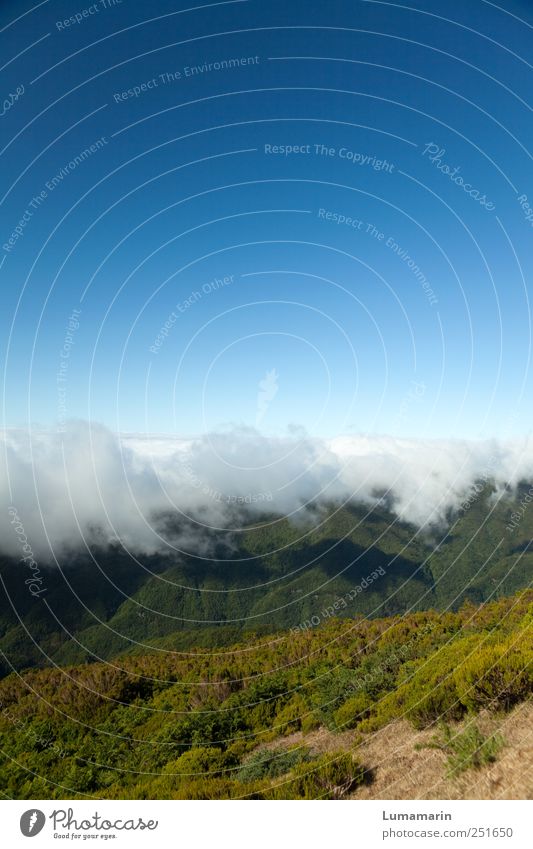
(309, 723)
(330, 689)
(328, 777)
(267, 763)
(203, 760)
(466, 749)
(353, 711)
(496, 676)
(289, 718)
(431, 694)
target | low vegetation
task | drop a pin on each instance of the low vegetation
(220, 724)
(466, 749)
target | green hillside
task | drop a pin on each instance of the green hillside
(200, 725)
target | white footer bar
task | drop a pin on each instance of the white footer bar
(264, 825)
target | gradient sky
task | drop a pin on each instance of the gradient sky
(182, 217)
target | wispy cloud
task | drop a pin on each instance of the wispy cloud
(268, 389)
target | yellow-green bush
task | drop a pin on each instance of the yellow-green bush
(353, 711)
(309, 723)
(199, 761)
(328, 777)
(289, 718)
(431, 693)
(496, 675)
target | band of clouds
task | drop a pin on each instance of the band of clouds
(89, 485)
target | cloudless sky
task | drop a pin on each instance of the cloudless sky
(200, 261)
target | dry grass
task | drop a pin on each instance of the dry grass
(399, 770)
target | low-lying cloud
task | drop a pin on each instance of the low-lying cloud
(159, 494)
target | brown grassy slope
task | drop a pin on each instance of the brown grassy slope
(398, 770)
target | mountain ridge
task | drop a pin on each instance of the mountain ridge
(270, 577)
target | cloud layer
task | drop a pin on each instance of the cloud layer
(89, 485)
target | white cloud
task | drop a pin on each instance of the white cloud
(88, 484)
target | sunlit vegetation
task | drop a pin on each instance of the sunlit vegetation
(466, 749)
(234, 723)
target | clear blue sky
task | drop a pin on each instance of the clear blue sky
(411, 318)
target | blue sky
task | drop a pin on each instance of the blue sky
(292, 209)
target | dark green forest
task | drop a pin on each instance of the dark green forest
(96, 607)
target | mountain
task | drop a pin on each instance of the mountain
(349, 561)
